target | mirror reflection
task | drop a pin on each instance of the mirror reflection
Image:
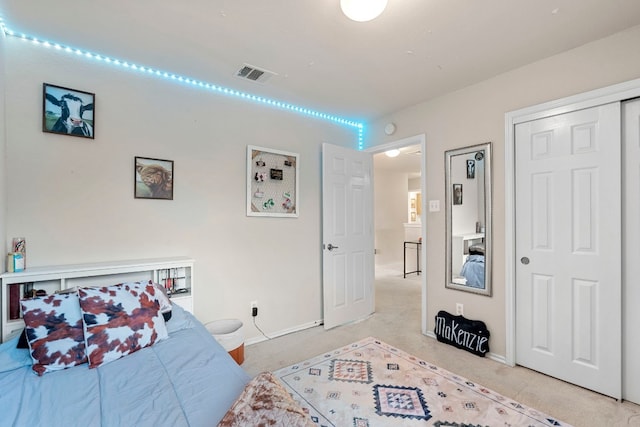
(468, 209)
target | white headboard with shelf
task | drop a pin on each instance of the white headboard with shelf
(61, 277)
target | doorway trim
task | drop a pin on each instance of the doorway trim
(421, 140)
(615, 93)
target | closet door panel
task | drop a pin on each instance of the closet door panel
(631, 252)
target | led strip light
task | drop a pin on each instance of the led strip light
(193, 82)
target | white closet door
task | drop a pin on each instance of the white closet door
(568, 278)
(631, 244)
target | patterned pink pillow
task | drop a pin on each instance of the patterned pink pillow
(118, 323)
(53, 325)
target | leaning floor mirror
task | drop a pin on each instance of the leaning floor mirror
(468, 210)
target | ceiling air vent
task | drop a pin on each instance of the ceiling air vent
(249, 72)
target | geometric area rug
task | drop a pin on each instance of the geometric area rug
(370, 384)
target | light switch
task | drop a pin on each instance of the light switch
(434, 205)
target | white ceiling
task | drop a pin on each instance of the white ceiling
(408, 161)
(416, 50)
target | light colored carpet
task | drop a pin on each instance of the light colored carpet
(397, 322)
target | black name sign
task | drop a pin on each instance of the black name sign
(470, 335)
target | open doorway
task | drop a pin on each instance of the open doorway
(399, 217)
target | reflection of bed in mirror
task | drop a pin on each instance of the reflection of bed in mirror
(473, 268)
(460, 245)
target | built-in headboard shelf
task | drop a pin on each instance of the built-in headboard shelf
(175, 273)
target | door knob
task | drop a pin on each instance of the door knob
(524, 260)
(331, 247)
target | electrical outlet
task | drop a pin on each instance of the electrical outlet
(254, 308)
(459, 309)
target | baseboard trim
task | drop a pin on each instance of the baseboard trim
(282, 332)
(495, 357)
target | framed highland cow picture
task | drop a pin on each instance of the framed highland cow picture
(68, 111)
(153, 178)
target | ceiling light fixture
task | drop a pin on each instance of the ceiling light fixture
(392, 153)
(362, 10)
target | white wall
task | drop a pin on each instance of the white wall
(390, 211)
(415, 184)
(72, 198)
(475, 115)
(3, 169)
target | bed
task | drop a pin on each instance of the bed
(474, 268)
(185, 379)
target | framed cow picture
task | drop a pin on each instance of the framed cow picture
(68, 111)
(153, 178)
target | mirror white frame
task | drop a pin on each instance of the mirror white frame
(466, 225)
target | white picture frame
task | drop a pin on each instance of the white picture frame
(272, 182)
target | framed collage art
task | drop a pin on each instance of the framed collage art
(272, 182)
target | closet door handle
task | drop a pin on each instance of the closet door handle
(331, 247)
(524, 260)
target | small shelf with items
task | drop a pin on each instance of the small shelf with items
(51, 279)
(177, 282)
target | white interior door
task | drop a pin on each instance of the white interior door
(347, 233)
(631, 251)
(568, 247)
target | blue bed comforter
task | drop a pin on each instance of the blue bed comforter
(473, 271)
(186, 380)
